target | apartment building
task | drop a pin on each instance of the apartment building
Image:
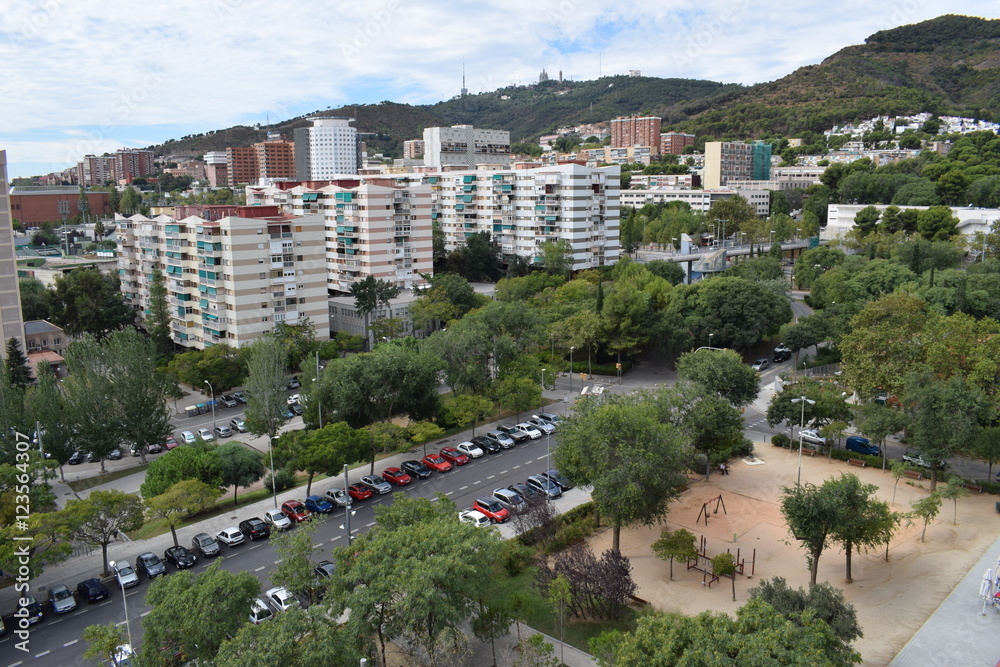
(699, 200)
(413, 149)
(635, 131)
(216, 168)
(465, 146)
(621, 155)
(674, 143)
(11, 321)
(327, 149)
(667, 181)
(126, 165)
(275, 157)
(229, 280)
(241, 165)
(727, 161)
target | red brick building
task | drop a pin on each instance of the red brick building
(32, 207)
(635, 131)
(673, 143)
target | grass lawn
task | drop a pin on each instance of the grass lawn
(539, 615)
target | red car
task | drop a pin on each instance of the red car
(436, 463)
(492, 508)
(396, 476)
(295, 511)
(454, 457)
(359, 491)
(170, 443)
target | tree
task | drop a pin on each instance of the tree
(812, 514)
(557, 257)
(986, 446)
(46, 407)
(878, 421)
(192, 462)
(862, 516)
(294, 570)
(265, 385)
(491, 623)
(17, 365)
(724, 565)
(560, 597)
(88, 301)
(183, 499)
(104, 643)
(448, 298)
(481, 258)
(828, 405)
(633, 460)
(35, 299)
(365, 293)
(926, 509)
(937, 223)
(421, 433)
(468, 409)
(952, 491)
(295, 638)
(534, 651)
(519, 393)
(865, 220)
(678, 545)
(99, 518)
(711, 425)
(721, 372)
(323, 450)
(239, 465)
(825, 601)
(196, 613)
(158, 320)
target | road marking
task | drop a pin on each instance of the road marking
(541, 458)
(491, 477)
(278, 561)
(39, 655)
(516, 467)
(104, 603)
(504, 472)
(463, 488)
(335, 539)
(317, 545)
(254, 546)
(145, 613)
(450, 493)
(58, 620)
(82, 611)
(478, 481)
(70, 643)
(120, 623)
(18, 663)
(368, 525)
(258, 569)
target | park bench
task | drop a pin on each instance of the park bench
(913, 474)
(973, 487)
(857, 463)
(806, 451)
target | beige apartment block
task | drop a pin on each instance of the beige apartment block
(228, 281)
(11, 321)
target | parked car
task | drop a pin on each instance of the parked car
(453, 456)
(260, 612)
(295, 511)
(856, 443)
(29, 609)
(474, 517)
(240, 397)
(171, 442)
(436, 463)
(560, 480)
(96, 458)
(318, 504)
(550, 417)
(529, 428)
(180, 557)
(760, 364)
(206, 545)
(485, 444)
(501, 438)
(277, 520)
(126, 576)
(913, 457)
(223, 431)
(116, 454)
(325, 569)
(415, 469)
(228, 401)
(254, 528)
(492, 508)
(396, 476)
(206, 435)
(338, 497)
(238, 424)
(544, 485)
(62, 599)
(76, 458)
(297, 409)
(294, 382)
(294, 398)
(512, 500)
(92, 590)
(812, 437)
(548, 428)
(472, 450)
(154, 448)
(527, 493)
(280, 599)
(516, 434)
(150, 565)
(231, 536)
(188, 437)
(781, 353)
(359, 492)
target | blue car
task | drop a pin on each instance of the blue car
(318, 504)
(856, 443)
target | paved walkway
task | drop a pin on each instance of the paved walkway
(957, 633)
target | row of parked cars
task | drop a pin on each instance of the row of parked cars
(507, 501)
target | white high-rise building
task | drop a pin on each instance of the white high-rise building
(465, 146)
(327, 149)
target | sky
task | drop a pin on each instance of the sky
(86, 77)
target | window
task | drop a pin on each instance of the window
(262, 276)
(260, 260)
(298, 258)
(302, 299)
(264, 304)
(264, 319)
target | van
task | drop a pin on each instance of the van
(856, 443)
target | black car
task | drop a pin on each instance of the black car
(154, 448)
(150, 565)
(529, 494)
(114, 454)
(415, 469)
(325, 569)
(206, 545)
(558, 479)
(180, 557)
(296, 408)
(782, 353)
(254, 528)
(516, 434)
(485, 444)
(77, 458)
(92, 590)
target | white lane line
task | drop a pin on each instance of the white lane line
(58, 620)
(258, 569)
(39, 655)
(145, 613)
(335, 539)
(18, 663)
(478, 481)
(541, 458)
(82, 611)
(278, 561)
(491, 477)
(104, 603)
(368, 525)
(70, 643)
(120, 623)
(450, 493)
(504, 472)
(463, 488)
(254, 546)
(516, 467)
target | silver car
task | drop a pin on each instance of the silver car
(338, 497)
(548, 428)
(376, 484)
(530, 429)
(276, 519)
(500, 438)
(62, 599)
(124, 572)
(544, 485)
(511, 500)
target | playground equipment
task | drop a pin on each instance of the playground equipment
(703, 562)
(704, 509)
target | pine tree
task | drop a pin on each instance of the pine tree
(17, 365)
(158, 319)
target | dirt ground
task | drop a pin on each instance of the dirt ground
(893, 599)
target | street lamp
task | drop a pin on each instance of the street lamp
(571, 369)
(319, 403)
(543, 379)
(213, 403)
(128, 626)
(347, 508)
(710, 339)
(802, 422)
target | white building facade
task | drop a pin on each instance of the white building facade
(328, 148)
(464, 145)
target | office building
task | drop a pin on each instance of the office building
(727, 161)
(11, 321)
(635, 131)
(229, 280)
(327, 149)
(465, 146)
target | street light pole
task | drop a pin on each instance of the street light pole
(543, 379)
(213, 403)
(319, 403)
(347, 509)
(802, 422)
(710, 339)
(128, 625)
(571, 369)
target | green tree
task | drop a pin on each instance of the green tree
(104, 642)
(519, 394)
(951, 187)
(17, 365)
(294, 570)
(192, 462)
(878, 421)
(721, 372)
(724, 565)
(265, 384)
(865, 220)
(557, 257)
(468, 409)
(560, 596)
(937, 224)
(46, 407)
(675, 545)
(862, 516)
(35, 299)
(196, 613)
(534, 651)
(239, 465)
(324, 450)
(295, 638)
(421, 433)
(158, 320)
(183, 499)
(88, 301)
(812, 514)
(898, 469)
(825, 601)
(448, 297)
(99, 518)
(481, 258)
(986, 446)
(952, 491)
(926, 509)
(138, 388)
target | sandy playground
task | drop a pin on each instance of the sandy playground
(892, 599)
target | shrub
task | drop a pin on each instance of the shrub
(744, 450)
(283, 479)
(780, 440)
(516, 557)
(583, 511)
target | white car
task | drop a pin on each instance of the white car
(230, 536)
(260, 612)
(474, 517)
(548, 428)
(280, 599)
(812, 437)
(294, 398)
(530, 429)
(188, 437)
(206, 434)
(125, 573)
(470, 449)
(338, 497)
(276, 519)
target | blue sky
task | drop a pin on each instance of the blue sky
(85, 77)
